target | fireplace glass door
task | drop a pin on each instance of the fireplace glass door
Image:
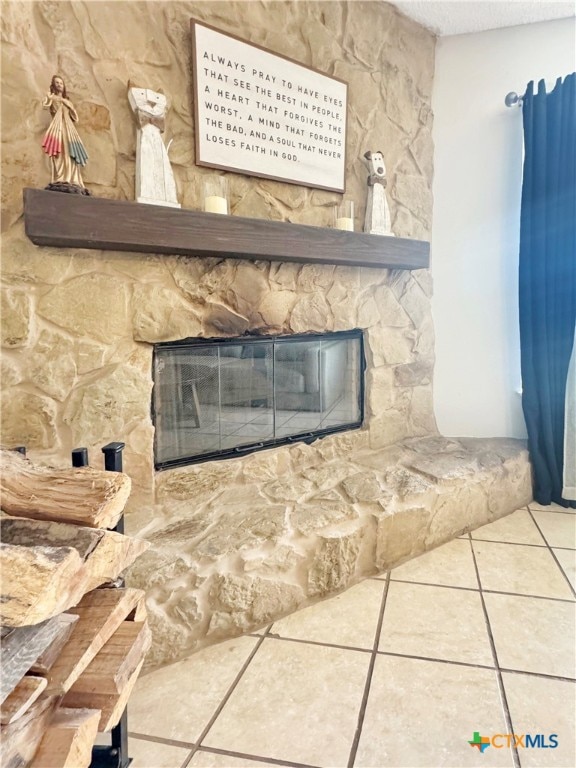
(225, 397)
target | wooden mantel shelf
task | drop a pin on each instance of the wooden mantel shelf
(75, 221)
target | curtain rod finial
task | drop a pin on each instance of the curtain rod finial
(512, 99)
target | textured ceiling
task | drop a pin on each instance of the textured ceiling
(461, 16)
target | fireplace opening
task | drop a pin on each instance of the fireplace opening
(218, 398)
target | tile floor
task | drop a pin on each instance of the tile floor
(402, 670)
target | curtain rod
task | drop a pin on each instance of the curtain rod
(513, 100)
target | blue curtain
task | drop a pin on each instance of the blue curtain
(547, 277)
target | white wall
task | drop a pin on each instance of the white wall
(475, 234)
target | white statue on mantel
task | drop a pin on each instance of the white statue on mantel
(154, 178)
(377, 220)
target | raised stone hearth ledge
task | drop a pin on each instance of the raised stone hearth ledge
(276, 539)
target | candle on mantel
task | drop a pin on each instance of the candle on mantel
(345, 223)
(344, 215)
(215, 204)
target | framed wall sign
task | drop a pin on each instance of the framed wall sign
(262, 114)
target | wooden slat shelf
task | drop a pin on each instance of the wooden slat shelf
(75, 221)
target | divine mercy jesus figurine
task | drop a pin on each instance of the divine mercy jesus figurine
(62, 142)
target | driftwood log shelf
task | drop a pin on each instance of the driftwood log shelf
(76, 221)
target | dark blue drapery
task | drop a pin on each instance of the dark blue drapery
(548, 276)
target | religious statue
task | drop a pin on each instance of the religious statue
(154, 178)
(62, 143)
(377, 220)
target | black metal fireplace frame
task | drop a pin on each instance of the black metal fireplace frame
(260, 445)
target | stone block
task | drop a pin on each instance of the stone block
(16, 313)
(89, 356)
(275, 309)
(391, 346)
(334, 563)
(170, 640)
(363, 486)
(281, 560)
(28, 419)
(108, 407)
(248, 289)
(400, 534)
(388, 427)
(155, 567)
(392, 313)
(160, 314)
(250, 527)
(220, 320)
(10, 373)
(94, 305)
(293, 488)
(413, 374)
(462, 509)
(311, 313)
(53, 364)
(198, 483)
(315, 277)
(310, 519)
(257, 598)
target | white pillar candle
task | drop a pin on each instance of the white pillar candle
(215, 204)
(345, 223)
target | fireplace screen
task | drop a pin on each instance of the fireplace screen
(219, 398)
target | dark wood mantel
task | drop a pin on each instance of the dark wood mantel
(74, 221)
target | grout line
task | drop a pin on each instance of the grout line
(486, 591)
(187, 759)
(550, 511)
(554, 556)
(227, 695)
(161, 740)
(512, 543)
(273, 636)
(433, 659)
(256, 758)
(499, 678)
(534, 597)
(539, 674)
(364, 702)
(431, 584)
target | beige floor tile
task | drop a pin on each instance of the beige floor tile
(176, 702)
(533, 635)
(559, 529)
(518, 528)
(567, 560)
(323, 622)
(551, 507)
(423, 713)
(214, 760)
(520, 569)
(149, 754)
(295, 702)
(538, 705)
(436, 622)
(451, 564)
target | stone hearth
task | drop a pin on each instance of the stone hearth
(298, 524)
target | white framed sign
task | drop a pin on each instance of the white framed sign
(262, 114)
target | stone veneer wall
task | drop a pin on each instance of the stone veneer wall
(78, 325)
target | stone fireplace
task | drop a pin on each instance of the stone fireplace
(241, 541)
